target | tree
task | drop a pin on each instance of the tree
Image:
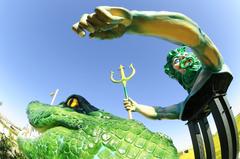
(8, 149)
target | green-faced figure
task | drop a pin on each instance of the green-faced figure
(97, 134)
(183, 66)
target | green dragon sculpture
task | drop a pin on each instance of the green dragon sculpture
(75, 129)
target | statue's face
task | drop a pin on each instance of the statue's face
(176, 64)
(181, 62)
(182, 66)
(186, 66)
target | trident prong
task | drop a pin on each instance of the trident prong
(124, 80)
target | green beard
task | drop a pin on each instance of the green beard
(188, 78)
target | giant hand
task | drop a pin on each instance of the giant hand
(105, 23)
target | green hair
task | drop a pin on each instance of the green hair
(187, 79)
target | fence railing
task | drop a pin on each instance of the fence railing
(211, 99)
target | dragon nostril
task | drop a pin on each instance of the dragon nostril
(80, 126)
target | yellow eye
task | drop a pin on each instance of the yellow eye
(72, 102)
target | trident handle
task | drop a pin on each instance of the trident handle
(124, 80)
(126, 97)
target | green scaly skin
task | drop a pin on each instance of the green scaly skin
(68, 134)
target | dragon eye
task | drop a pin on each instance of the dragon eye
(72, 102)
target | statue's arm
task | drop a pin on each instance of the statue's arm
(154, 112)
(170, 112)
(157, 112)
(112, 22)
(179, 29)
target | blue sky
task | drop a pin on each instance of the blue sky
(40, 53)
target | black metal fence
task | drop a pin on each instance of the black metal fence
(211, 99)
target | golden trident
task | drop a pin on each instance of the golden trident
(124, 82)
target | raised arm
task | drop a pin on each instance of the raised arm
(113, 22)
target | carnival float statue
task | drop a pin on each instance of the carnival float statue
(76, 129)
(202, 73)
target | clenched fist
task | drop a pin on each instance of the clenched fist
(105, 23)
(130, 104)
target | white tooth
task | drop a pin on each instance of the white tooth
(21, 133)
(29, 132)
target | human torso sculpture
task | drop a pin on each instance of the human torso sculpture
(112, 22)
(202, 73)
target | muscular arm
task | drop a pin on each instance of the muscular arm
(147, 111)
(179, 29)
(112, 22)
(170, 112)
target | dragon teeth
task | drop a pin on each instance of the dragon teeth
(29, 132)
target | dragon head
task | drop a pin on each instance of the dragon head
(76, 129)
